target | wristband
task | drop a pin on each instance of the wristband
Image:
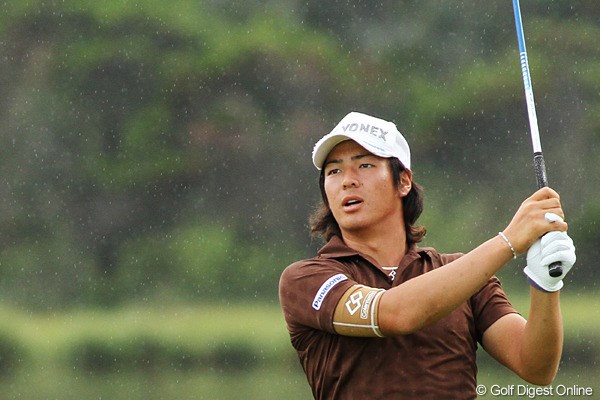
(512, 249)
(536, 286)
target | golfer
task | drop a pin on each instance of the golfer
(374, 316)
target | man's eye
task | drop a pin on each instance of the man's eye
(333, 171)
(366, 165)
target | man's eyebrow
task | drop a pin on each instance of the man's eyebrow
(359, 156)
(331, 162)
(356, 157)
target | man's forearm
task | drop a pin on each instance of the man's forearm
(543, 337)
(431, 296)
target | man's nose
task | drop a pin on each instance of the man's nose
(350, 180)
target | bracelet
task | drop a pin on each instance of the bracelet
(503, 236)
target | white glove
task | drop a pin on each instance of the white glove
(553, 247)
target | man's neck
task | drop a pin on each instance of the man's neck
(387, 248)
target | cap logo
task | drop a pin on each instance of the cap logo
(367, 128)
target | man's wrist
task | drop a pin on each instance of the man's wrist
(534, 285)
(507, 241)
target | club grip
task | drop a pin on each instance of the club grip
(555, 269)
(539, 166)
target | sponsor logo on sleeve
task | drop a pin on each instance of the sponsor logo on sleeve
(353, 304)
(364, 312)
(325, 288)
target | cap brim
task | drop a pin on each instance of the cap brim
(324, 147)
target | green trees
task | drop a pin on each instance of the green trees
(156, 150)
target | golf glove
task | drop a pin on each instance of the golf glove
(552, 247)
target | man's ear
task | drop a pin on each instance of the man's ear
(405, 183)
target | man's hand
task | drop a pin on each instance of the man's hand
(529, 222)
(553, 247)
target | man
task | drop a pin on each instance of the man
(373, 316)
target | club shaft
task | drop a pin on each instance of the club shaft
(533, 123)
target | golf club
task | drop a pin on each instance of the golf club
(554, 269)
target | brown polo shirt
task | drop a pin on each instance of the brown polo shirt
(436, 362)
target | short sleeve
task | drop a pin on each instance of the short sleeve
(309, 292)
(489, 305)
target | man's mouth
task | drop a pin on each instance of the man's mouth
(351, 202)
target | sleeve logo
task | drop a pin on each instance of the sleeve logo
(325, 288)
(354, 303)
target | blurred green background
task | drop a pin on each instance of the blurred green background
(156, 176)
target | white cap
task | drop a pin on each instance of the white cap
(375, 135)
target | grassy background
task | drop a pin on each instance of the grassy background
(207, 352)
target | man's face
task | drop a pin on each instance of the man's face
(360, 189)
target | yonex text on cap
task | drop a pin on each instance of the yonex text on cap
(375, 135)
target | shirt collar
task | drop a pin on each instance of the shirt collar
(336, 248)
